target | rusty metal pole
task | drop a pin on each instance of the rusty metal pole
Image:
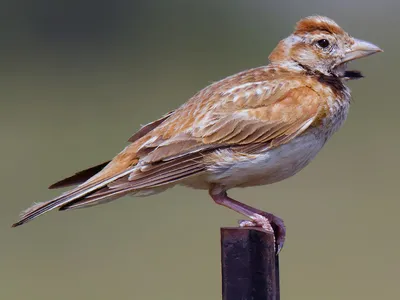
(250, 267)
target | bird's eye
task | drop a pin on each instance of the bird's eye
(324, 43)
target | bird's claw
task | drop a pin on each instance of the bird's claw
(269, 223)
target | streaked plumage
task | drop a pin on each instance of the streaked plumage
(256, 127)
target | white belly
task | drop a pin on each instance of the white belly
(267, 167)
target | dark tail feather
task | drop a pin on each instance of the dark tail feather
(70, 196)
(79, 177)
(40, 208)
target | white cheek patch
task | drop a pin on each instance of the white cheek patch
(307, 55)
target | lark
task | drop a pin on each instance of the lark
(253, 128)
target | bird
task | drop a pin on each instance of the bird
(257, 127)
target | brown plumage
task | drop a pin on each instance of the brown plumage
(256, 127)
(312, 24)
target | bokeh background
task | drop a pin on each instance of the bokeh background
(78, 77)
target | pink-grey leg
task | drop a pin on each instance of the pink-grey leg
(258, 218)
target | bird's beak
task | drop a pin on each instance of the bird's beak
(360, 49)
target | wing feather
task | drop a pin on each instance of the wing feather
(79, 177)
(282, 119)
(149, 127)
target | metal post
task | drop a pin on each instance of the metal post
(250, 267)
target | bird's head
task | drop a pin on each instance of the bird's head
(319, 45)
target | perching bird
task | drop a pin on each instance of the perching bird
(254, 128)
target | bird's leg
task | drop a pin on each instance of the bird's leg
(258, 218)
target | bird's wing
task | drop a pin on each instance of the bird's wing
(252, 112)
(242, 117)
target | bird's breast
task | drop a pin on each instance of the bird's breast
(338, 109)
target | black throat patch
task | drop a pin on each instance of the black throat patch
(334, 82)
(351, 75)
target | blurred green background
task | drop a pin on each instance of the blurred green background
(79, 77)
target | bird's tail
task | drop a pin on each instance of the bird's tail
(67, 198)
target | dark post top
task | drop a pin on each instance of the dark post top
(250, 267)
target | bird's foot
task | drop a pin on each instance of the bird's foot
(269, 223)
